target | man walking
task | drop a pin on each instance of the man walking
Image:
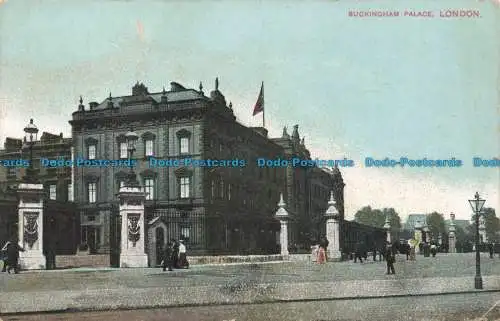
(167, 257)
(390, 259)
(359, 252)
(13, 250)
(3, 256)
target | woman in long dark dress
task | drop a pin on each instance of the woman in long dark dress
(167, 257)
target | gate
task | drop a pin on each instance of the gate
(115, 237)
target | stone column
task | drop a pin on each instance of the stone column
(387, 227)
(282, 215)
(418, 236)
(452, 248)
(333, 231)
(132, 232)
(30, 226)
(482, 229)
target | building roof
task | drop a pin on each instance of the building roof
(413, 219)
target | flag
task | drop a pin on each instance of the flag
(259, 105)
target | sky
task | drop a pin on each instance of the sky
(357, 87)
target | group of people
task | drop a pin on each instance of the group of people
(388, 253)
(174, 256)
(10, 256)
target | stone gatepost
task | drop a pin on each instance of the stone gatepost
(418, 236)
(387, 227)
(282, 215)
(132, 230)
(333, 231)
(482, 229)
(30, 226)
(452, 248)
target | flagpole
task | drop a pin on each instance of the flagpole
(264, 105)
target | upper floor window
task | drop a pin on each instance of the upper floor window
(212, 188)
(184, 145)
(149, 188)
(123, 149)
(184, 137)
(53, 191)
(71, 197)
(91, 144)
(91, 151)
(229, 191)
(148, 147)
(11, 172)
(149, 144)
(92, 192)
(185, 187)
(221, 188)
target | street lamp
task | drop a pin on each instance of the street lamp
(30, 137)
(132, 139)
(387, 227)
(477, 204)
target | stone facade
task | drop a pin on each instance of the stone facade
(217, 209)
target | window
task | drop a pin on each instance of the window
(92, 192)
(12, 172)
(229, 191)
(71, 198)
(148, 147)
(52, 192)
(184, 145)
(123, 150)
(221, 188)
(213, 188)
(91, 152)
(185, 185)
(149, 188)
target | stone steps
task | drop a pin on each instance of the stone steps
(91, 260)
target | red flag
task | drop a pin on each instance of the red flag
(259, 105)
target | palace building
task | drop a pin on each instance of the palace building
(216, 209)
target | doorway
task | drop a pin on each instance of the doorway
(160, 243)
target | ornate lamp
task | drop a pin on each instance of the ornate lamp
(132, 139)
(30, 137)
(477, 205)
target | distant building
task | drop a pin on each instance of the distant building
(57, 181)
(412, 220)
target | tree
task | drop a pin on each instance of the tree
(376, 218)
(435, 222)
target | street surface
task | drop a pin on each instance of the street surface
(430, 308)
(444, 265)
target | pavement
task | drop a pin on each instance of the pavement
(250, 283)
(455, 307)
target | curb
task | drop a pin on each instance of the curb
(257, 302)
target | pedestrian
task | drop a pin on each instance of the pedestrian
(374, 253)
(175, 253)
(3, 257)
(358, 252)
(167, 257)
(433, 250)
(13, 250)
(390, 258)
(491, 248)
(323, 245)
(183, 262)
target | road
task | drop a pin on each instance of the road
(428, 308)
(284, 272)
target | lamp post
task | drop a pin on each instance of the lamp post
(132, 138)
(477, 204)
(31, 132)
(387, 227)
